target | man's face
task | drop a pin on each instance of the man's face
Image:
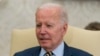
(49, 29)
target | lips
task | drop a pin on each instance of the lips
(44, 38)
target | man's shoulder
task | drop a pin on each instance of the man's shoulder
(28, 52)
(78, 52)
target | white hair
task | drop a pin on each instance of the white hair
(50, 5)
(63, 12)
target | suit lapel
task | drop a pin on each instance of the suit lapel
(36, 51)
(66, 50)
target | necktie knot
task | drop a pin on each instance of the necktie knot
(48, 54)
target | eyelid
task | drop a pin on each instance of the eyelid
(38, 25)
(50, 25)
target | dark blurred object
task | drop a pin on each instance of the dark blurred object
(93, 26)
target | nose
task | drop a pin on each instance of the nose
(42, 30)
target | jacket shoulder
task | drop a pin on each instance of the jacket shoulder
(28, 52)
(78, 52)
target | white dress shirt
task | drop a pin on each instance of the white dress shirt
(57, 52)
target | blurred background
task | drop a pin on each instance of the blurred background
(20, 14)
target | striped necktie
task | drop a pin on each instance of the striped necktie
(49, 54)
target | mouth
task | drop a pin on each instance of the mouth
(44, 39)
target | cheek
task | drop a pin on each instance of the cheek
(36, 32)
(57, 35)
(59, 32)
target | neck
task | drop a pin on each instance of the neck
(53, 47)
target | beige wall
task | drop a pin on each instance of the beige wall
(20, 14)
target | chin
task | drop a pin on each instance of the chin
(45, 45)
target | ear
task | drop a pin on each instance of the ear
(65, 28)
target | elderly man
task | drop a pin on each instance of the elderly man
(51, 26)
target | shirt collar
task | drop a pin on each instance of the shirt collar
(42, 52)
(58, 51)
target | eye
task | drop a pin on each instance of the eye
(38, 25)
(48, 25)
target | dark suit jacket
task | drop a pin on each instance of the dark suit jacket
(68, 51)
